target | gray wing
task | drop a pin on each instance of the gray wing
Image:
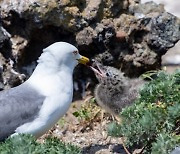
(18, 105)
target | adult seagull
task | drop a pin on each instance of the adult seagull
(37, 104)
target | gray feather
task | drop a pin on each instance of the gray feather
(18, 105)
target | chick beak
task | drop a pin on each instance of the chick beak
(98, 69)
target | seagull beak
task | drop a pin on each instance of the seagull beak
(83, 60)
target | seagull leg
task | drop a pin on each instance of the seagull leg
(102, 115)
(117, 118)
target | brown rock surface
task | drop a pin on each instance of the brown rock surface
(126, 34)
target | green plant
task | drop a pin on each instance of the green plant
(156, 111)
(165, 143)
(62, 122)
(149, 74)
(82, 114)
(26, 144)
(87, 111)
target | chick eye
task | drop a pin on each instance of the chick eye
(75, 52)
(107, 74)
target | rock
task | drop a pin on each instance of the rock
(176, 150)
(141, 41)
(125, 34)
(146, 8)
(163, 28)
(91, 11)
(85, 37)
(165, 32)
(8, 76)
(121, 35)
(4, 36)
(97, 38)
(5, 44)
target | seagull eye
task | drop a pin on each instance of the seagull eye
(75, 52)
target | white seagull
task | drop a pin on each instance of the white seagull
(37, 104)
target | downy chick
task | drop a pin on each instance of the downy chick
(114, 91)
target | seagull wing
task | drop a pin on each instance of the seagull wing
(18, 105)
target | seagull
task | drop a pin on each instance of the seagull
(36, 105)
(114, 91)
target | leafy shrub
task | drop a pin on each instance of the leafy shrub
(165, 143)
(155, 112)
(26, 144)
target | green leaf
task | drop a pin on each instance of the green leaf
(76, 114)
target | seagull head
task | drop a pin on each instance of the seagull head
(62, 54)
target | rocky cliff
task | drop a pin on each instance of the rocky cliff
(126, 34)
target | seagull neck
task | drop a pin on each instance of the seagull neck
(44, 69)
(49, 80)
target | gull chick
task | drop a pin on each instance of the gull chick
(37, 104)
(114, 91)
